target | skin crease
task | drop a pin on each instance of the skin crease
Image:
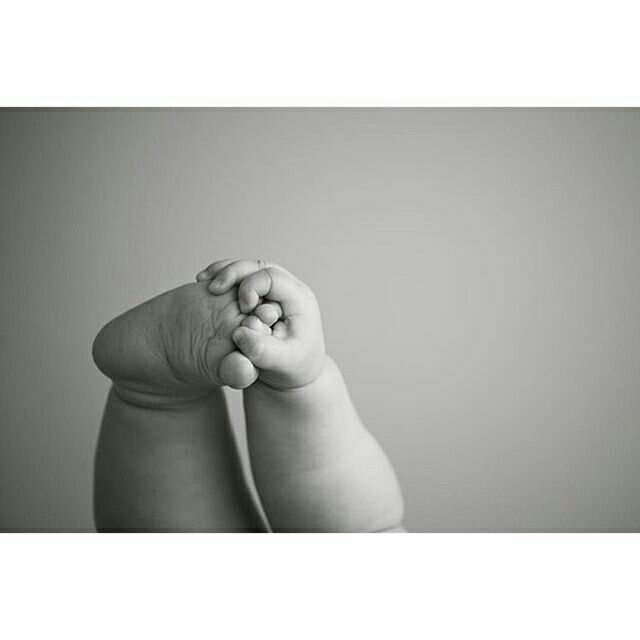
(176, 345)
(166, 459)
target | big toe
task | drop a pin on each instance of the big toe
(237, 371)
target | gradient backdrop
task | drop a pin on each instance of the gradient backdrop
(478, 272)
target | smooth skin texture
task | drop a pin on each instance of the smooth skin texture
(315, 465)
(172, 468)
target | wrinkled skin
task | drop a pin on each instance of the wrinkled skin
(175, 346)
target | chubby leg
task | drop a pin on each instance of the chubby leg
(316, 467)
(170, 469)
(166, 459)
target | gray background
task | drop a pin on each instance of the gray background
(477, 272)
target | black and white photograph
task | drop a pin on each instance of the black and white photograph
(319, 320)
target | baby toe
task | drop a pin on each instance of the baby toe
(237, 372)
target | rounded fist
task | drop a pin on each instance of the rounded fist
(283, 334)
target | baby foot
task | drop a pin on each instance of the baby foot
(175, 346)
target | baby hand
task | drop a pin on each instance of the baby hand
(291, 353)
